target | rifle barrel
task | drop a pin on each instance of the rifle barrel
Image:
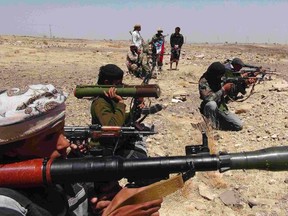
(94, 131)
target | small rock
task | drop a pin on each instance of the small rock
(199, 205)
(229, 197)
(259, 139)
(201, 56)
(261, 202)
(272, 181)
(205, 192)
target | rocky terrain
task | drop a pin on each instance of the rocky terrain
(66, 63)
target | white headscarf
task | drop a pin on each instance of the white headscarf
(25, 112)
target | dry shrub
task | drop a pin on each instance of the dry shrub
(9, 55)
(45, 42)
(17, 51)
(283, 56)
(182, 83)
(114, 45)
(239, 111)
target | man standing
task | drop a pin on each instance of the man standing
(176, 42)
(137, 39)
(158, 48)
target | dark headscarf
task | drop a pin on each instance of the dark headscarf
(109, 72)
(213, 75)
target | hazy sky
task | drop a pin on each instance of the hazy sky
(200, 21)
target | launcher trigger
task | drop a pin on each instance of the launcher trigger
(189, 174)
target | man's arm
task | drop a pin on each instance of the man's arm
(207, 94)
(9, 206)
(181, 41)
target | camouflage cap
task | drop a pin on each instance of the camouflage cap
(26, 112)
(237, 61)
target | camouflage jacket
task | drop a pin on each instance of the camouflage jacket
(207, 95)
(132, 57)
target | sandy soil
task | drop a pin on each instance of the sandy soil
(66, 63)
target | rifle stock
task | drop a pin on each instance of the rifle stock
(38, 172)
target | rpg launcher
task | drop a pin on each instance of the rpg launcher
(38, 172)
(149, 90)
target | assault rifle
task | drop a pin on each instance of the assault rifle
(84, 134)
(240, 86)
(253, 71)
(257, 72)
(38, 172)
(96, 131)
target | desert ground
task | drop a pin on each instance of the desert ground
(70, 62)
